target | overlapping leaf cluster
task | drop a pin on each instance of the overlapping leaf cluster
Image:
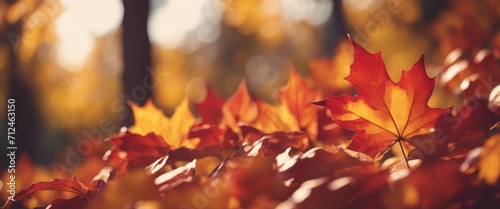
(245, 153)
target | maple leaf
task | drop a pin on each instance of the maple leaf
(294, 112)
(148, 119)
(243, 108)
(383, 112)
(174, 130)
(181, 122)
(240, 107)
(297, 97)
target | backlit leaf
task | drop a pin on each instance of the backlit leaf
(174, 130)
(383, 112)
(297, 97)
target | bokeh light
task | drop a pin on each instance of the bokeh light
(171, 23)
(79, 24)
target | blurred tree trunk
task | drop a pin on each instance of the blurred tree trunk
(136, 53)
(28, 135)
(335, 29)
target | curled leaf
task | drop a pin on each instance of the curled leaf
(82, 193)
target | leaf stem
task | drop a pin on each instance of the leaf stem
(404, 154)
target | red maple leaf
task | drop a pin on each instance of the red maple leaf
(383, 112)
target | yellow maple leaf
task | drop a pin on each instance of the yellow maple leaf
(174, 130)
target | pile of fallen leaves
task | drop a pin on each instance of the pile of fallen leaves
(245, 153)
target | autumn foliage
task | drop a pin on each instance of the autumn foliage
(246, 153)
(383, 112)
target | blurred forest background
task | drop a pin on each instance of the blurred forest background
(72, 64)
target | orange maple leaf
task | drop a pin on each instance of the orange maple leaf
(272, 119)
(295, 111)
(297, 97)
(383, 112)
(240, 107)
